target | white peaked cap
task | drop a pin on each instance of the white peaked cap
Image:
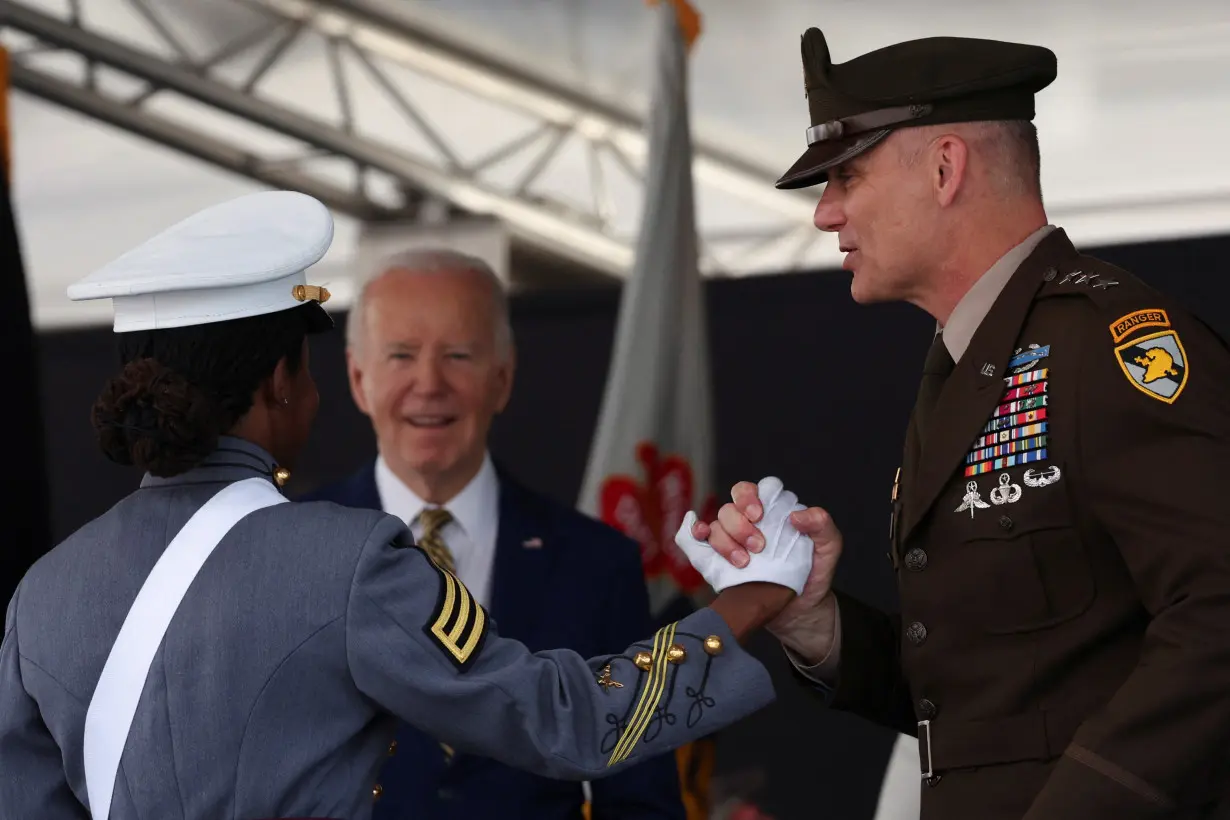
(246, 257)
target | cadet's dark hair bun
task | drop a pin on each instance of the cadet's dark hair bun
(151, 417)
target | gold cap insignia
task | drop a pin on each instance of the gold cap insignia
(314, 293)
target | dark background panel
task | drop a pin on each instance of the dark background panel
(24, 493)
(808, 386)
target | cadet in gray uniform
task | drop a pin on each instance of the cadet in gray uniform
(206, 649)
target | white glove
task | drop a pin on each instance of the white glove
(785, 559)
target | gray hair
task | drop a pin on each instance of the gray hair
(435, 260)
(1010, 146)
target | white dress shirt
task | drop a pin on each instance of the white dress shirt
(470, 536)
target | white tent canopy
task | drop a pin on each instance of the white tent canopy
(1133, 131)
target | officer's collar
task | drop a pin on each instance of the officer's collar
(233, 459)
(974, 306)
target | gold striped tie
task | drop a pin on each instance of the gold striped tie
(432, 542)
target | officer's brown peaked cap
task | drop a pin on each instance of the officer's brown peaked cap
(856, 104)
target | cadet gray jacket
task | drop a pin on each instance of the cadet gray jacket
(307, 633)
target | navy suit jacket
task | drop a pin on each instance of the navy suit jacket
(560, 579)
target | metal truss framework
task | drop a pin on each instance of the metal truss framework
(225, 103)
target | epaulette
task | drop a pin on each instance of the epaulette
(1100, 282)
(1126, 302)
(1139, 322)
(653, 672)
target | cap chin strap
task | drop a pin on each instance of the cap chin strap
(870, 121)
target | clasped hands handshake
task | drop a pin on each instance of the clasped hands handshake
(768, 554)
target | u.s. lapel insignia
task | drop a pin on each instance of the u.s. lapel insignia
(1006, 492)
(972, 500)
(1155, 364)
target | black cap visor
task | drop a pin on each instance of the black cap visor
(812, 168)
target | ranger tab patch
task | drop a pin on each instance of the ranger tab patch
(1125, 326)
(1155, 364)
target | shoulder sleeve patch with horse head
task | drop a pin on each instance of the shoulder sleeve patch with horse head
(1156, 363)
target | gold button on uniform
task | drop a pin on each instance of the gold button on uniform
(643, 660)
(676, 653)
(713, 645)
(392, 747)
(377, 790)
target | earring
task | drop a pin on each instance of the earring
(285, 400)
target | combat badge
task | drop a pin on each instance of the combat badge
(1023, 360)
(1155, 364)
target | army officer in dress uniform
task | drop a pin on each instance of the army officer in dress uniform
(206, 649)
(1059, 522)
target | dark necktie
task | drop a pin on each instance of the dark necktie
(936, 369)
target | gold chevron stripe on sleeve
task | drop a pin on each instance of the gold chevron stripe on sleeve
(650, 699)
(640, 721)
(459, 622)
(657, 638)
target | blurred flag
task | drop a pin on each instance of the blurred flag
(24, 503)
(652, 456)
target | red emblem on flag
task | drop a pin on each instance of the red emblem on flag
(651, 512)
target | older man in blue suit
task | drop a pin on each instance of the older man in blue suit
(431, 361)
